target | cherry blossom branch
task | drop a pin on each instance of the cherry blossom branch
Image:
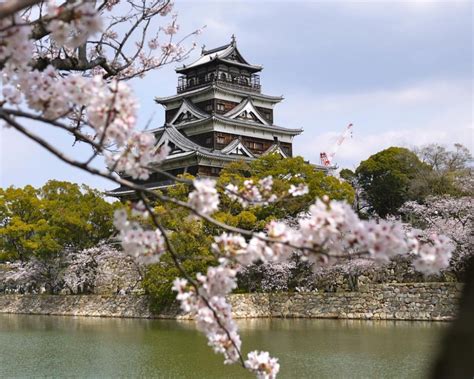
(11, 7)
(73, 130)
(329, 230)
(181, 269)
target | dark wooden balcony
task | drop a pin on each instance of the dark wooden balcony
(242, 83)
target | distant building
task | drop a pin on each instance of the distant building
(217, 116)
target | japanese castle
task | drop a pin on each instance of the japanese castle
(218, 115)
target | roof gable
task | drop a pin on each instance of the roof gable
(275, 149)
(227, 53)
(236, 147)
(188, 112)
(176, 141)
(233, 54)
(246, 111)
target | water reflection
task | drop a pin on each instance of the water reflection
(32, 346)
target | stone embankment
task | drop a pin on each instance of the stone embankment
(396, 301)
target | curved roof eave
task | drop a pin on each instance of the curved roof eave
(220, 54)
(258, 126)
(216, 86)
(223, 157)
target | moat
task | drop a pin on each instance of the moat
(47, 346)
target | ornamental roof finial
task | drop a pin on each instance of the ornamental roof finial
(203, 48)
(232, 42)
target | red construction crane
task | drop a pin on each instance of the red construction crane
(327, 158)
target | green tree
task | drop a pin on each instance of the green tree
(44, 221)
(191, 241)
(193, 238)
(193, 247)
(285, 172)
(387, 179)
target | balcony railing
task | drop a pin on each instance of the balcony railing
(246, 84)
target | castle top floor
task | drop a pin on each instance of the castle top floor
(223, 64)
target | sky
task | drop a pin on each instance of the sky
(400, 71)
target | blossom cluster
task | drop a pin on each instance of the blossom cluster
(432, 257)
(84, 21)
(172, 28)
(252, 193)
(16, 48)
(146, 246)
(211, 310)
(204, 198)
(262, 364)
(213, 315)
(298, 190)
(109, 108)
(261, 192)
(332, 230)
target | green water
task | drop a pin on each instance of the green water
(49, 346)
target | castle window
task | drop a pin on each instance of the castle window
(208, 107)
(220, 140)
(255, 145)
(215, 170)
(220, 107)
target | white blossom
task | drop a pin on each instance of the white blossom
(252, 194)
(204, 198)
(146, 246)
(432, 258)
(264, 366)
(299, 190)
(85, 22)
(233, 246)
(210, 309)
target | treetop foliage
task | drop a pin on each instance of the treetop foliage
(386, 177)
(285, 172)
(44, 221)
(395, 175)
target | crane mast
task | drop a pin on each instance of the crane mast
(327, 158)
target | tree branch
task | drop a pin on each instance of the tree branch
(11, 7)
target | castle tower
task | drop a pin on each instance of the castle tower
(218, 115)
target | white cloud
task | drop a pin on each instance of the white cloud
(428, 112)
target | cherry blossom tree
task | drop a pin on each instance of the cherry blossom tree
(452, 216)
(36, 275)
(85, 268)
(73, 271)
(65, 66)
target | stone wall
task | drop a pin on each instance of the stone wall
(77, 305)
(396, 301)
(413, 301)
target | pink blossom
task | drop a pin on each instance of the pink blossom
(264, 366)
(204, 198)
(299, 190)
